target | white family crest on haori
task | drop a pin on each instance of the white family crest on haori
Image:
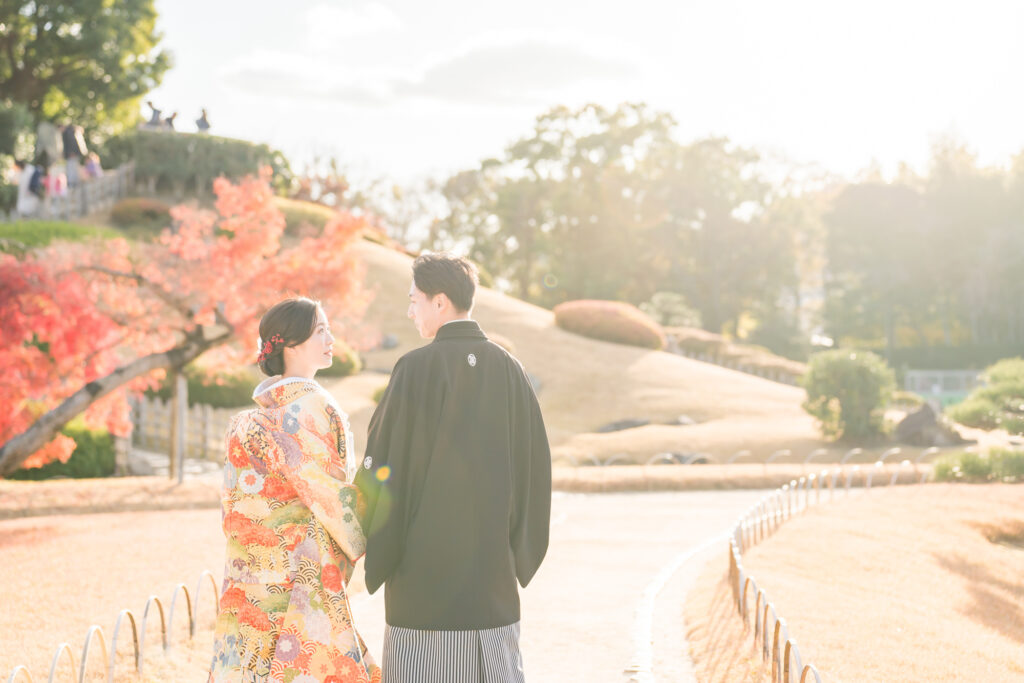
(367, 462)
(471, 359)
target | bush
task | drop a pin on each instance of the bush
(997, 405)
(611, 321)
(93, 456)
(346, 361)
(1006, 371)
(300, 214)
(220, 390)
(8, 197)
(1001, 464)
(378, 393)
(141, 212)
(974, 412)
(30, 234)
(848, 391)
(1007, 464)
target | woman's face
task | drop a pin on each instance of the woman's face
(317, 352)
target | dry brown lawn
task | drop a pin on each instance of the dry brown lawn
(913, 583)
(588, 383)
(62, 574)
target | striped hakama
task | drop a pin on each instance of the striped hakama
(484, 656)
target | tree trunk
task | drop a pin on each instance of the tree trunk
(19, 448)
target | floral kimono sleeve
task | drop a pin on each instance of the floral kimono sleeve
(309, 459)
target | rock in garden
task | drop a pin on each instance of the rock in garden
(924, 427)
(619, 425)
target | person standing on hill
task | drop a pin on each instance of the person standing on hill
(457, 479)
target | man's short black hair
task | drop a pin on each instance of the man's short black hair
(443, 273)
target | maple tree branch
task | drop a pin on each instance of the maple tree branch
(17, 449)
(168, 298)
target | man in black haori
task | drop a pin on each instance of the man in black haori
(457, 477)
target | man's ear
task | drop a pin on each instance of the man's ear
(440, 299)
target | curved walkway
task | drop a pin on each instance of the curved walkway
(585, 617)
(580, 614)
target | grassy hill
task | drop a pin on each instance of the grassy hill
(587, 383)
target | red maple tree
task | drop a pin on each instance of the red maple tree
(83, 323)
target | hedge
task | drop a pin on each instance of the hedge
(221, 390)
(93, 456)
(32, 234)
(612, 321)
(185, 162)
(1001, 464)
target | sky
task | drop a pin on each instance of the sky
(409, 89)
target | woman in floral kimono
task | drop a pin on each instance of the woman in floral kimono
(290, 517)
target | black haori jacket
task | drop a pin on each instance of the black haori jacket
(457, 476)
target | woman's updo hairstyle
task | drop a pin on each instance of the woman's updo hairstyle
(288, 323)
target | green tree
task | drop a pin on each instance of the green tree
(723, 255)
(562, 215)
(878, 275)
(848, 391)
(89, 60)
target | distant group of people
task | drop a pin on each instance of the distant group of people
(157, 120)
(62, 161)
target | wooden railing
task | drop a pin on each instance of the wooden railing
(205, 428)
(777, 647)
(90, 195)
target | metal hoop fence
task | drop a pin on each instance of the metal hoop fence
(63, 661)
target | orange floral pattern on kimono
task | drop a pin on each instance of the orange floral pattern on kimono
(291, 517)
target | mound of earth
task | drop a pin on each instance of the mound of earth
(588, 383)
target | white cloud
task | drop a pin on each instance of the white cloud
(497, 72)
(521, 71)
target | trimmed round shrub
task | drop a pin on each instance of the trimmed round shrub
(300, 216)
(346, 361)
(847, 391)
(141, 212)
(93, 456)
(612, 321)
(378, 393)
